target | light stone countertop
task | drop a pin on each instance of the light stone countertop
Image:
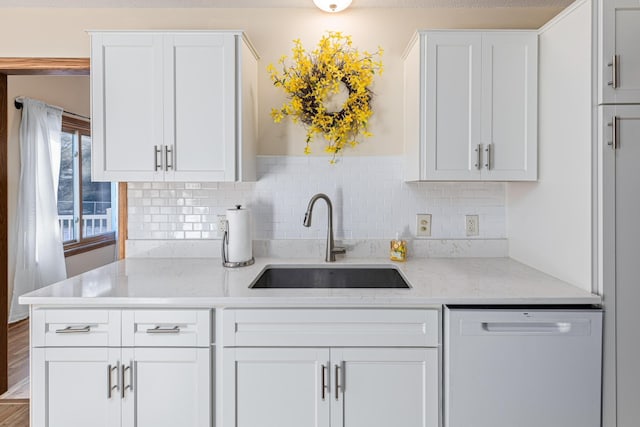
(203, 282)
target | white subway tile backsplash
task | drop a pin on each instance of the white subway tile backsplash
(370, 202)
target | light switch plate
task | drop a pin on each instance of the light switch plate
(423, 225)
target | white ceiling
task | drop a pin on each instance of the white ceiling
(283, 3)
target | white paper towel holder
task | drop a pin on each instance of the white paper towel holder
(225, 250)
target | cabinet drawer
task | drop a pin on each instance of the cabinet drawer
(75, 328)
(166, 328)
(331, 327)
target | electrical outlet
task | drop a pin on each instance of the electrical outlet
(222, 224)
(472, 225)
(423, 225)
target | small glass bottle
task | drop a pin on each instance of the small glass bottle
(398, 249)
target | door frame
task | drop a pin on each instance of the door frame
(10, 67)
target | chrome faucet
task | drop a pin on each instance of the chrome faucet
(331, 250)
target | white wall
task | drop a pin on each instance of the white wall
(72, 94)
(549, 221)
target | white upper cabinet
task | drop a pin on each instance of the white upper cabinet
(620, 61)
(471, 106)
(172, 106)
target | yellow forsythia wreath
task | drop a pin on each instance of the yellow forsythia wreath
(315, 78)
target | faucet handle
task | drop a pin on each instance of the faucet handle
(339, 250)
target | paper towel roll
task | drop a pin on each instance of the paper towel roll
(239, 223)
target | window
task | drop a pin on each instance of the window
(87, 211)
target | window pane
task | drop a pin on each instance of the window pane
(65, 188)
(96, 197)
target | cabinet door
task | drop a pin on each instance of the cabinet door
(620, 59)
(385, 387)
(509, 106)
(166, 387)
(276, 387)
(126, 89)
(621, 203)
(451, 124)
(70, 387)
(200, 90)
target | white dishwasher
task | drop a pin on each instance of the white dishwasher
(522, 367)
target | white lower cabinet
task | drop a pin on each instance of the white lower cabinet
(166, 387)
(275, 387)
(111, 387)
(70, 387)
(337, 387)
(160, 376)
(270, 381)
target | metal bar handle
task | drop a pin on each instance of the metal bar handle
(110, 386)
(157, 152)
(614, 71)
(123, 389)
(164, 330)
(528, 327)
(74, 330)
(487, 160)
(614, 124)
(323, 368)
(337, 380)
(168, 155)
(478, 156)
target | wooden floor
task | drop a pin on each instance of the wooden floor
(18, 338)
(14, 414)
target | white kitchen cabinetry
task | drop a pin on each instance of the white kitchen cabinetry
(289, 384)
(619, 55)
(70, 387)
(174, 106)
(471, 106)
(87, 382)
(620, 202)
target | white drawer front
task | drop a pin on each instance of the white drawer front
(331, 327)
(166, 328)
(75, 328)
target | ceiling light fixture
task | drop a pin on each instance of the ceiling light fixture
(332, 6)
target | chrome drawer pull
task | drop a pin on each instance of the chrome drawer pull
(74, 330)
(164, 330)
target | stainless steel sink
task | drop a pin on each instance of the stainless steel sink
(318, 276)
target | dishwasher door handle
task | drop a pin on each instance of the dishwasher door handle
(527, 327)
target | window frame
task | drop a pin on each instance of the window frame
(83, 244)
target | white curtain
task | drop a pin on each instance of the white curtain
(36, 231)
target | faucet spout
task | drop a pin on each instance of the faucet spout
(331, 249)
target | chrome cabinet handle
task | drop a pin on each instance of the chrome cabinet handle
(110, 386)
(614, 71)
(487, 154)
(337, 380)
(74, 330)
(168, 155)
(614, 124)
(164, 330)
(130, 385)
(478, 156)
(325, 386)
(157, 152)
